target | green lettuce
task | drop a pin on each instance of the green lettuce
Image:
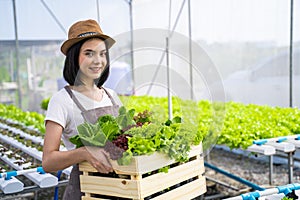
(96, 134)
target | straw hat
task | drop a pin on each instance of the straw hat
(82, 30)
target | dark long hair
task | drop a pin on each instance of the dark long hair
(71, 67)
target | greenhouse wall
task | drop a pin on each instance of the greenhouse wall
(240, 44)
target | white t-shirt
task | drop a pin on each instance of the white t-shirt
(63, 110)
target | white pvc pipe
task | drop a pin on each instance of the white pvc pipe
(43, 180)
(283, 146)
(34, 139)
(10, 186)
(267, 192)
(262, 149)
(30, 151)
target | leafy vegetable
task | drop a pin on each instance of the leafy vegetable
(125, 118)
(26, 118)
(96, 134)
(91, 135)
(109, 126)
(143, 117)
(233, 124)
(172, 138)
(287, 198)
(44, 103)
(77, 141)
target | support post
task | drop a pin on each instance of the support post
(190, 52)
(291, 166)
(271, 169)
(291, 55)
(131, 47)
(17, 55)
(168, 80)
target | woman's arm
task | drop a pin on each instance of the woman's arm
(54, 159)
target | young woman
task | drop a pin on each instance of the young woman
(84, 99)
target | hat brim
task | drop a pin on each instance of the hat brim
(69, 43)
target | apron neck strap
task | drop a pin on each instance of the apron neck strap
(73, 97)
(110, 97)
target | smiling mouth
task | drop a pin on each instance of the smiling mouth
(96, 70)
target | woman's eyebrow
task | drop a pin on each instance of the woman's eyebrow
(88, 50)
(91, 50)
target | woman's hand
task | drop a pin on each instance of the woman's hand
(99, 159)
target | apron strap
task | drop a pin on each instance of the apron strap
(110, 97)
(73, 97)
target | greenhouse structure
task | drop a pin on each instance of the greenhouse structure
(217, 82)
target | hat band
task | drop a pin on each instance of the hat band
(87, 34)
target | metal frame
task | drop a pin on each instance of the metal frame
(130, 4)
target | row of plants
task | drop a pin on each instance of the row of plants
(17, 157)
(28, 119)
(233, 124)
(18, 125)
(245, 123)
(21, 139)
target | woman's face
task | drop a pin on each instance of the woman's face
(92, 59)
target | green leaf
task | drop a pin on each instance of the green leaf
(76, 140)
(177, 119)
(125, 118)
(94, 134)
(126, 158)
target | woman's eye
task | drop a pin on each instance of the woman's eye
(103, 54)
(89, 54)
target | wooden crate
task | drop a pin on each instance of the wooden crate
(140, 179)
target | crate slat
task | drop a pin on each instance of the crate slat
(142, 164)
(110, 186)
(187, 191)
(140, 179)
(147, 163)
(91, 198)
(161, 181)
(144, 187)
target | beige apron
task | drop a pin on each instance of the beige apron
(72, 191)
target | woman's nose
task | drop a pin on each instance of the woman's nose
(97, 59)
